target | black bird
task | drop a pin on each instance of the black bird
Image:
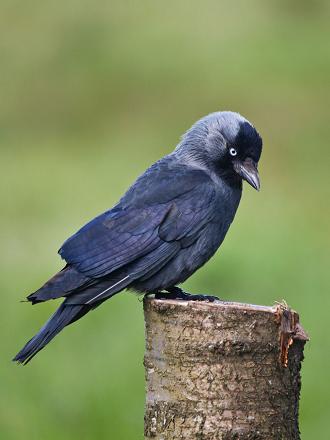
(167, 225)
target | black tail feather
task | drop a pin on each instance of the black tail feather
(76, 304)
(64, 315)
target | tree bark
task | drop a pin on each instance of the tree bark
(222, 371)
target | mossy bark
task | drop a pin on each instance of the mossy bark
(221, 371)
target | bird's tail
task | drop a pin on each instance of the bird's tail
(64, 315)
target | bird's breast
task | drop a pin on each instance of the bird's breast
(227, 201)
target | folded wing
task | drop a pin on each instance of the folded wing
(134, 234)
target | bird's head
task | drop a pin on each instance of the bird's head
(226, 143)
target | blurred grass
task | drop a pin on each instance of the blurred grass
(91, 94)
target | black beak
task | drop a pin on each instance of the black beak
(248, 171)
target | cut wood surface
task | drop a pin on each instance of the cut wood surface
(221, 371)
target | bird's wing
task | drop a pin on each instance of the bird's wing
(154, 216)
(113, 239)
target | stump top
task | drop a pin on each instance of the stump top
(213, 306)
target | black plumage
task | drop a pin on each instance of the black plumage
(166, 226)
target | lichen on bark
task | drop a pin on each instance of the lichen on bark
(216, 371)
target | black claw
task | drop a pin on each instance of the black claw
(177, 293)
(162, 295)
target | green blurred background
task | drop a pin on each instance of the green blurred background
(94, 92)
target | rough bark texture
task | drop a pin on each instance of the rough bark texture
(221, 371)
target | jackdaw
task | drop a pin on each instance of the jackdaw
(165, 227)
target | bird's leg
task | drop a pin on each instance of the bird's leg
(177, 293)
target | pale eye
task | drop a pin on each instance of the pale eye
(233, 152)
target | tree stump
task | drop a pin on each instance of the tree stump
(222, 371)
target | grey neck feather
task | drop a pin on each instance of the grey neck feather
(192, 148)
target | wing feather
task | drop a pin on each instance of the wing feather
(134, 232)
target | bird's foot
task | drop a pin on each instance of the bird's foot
(177, 293)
